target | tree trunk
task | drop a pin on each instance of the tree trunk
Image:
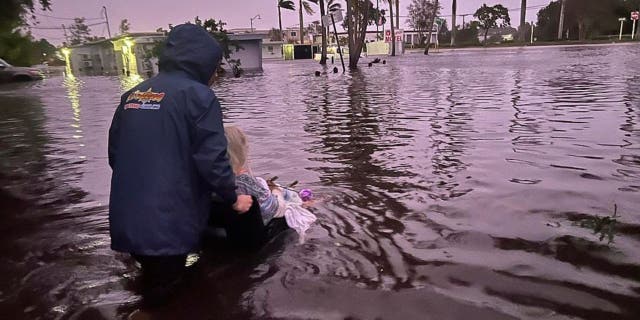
(301, 24)
(280, 21)
(323, 54)
(393, 30)
(357, 22)
(486, 32)
(454, 8)
(523, 18)
(433, 19)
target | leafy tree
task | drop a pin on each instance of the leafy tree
(584, 19)
(591, 17)
(16, 46)
(22, 50)
(124, 26)
(548, 21)
(492, 17)
(287, 5)
(217, 31)
(360, 14)
(79, 32)
(421, 17)
(468, 35)
(434, 15)
(14, 12)
(275, 34)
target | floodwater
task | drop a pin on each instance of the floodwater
(464, 185)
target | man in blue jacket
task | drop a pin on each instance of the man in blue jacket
(168, 153)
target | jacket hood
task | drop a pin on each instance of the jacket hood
(191, 49)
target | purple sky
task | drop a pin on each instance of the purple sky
(148, 15)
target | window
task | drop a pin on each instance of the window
(270, 49)
(294, 34)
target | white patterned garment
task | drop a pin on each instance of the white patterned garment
(290, 207)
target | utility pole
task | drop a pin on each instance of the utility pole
(393, 32)
(454, 8)
(561, 26)
(106, 17)
(397, 14)
(523, 17)
(377, 25)
(463, 23)
(64, 30)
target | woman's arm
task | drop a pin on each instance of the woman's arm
(268, 201)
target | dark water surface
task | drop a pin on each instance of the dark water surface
(459, 186)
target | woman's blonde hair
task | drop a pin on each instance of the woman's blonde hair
(237, 148)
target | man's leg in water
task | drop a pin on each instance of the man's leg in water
(161, 277)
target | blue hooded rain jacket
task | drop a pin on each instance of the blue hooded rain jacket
(167, 150)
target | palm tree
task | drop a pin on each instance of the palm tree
(284, 4)
(454, 8)
(332, 6)
(304, 4)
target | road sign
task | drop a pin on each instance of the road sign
(622, 19)
(398, 34)
(337, 17)
(635, 15)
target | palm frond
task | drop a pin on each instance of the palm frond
(333, 6)
(287, 4)
(307, 8)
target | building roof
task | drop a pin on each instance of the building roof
(118, 37)
(245, 36)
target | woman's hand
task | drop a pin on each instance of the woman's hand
(243, 204)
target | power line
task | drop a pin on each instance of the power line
(63, 18)
(62, 28)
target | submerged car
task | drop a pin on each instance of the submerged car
(9, 73)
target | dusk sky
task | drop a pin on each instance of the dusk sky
(148, 15)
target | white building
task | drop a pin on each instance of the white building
(126, 54)
(272, 50)
(131, 54)
(250, 53)
(414, 38)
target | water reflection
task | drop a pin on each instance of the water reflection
(453, 186)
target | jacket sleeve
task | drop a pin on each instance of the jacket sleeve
(114, 131)
(210, 153)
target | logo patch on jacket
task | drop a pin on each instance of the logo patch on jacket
(144, 100)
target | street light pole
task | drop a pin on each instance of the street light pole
(561, 25)
(254, 18)
(532, 26)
